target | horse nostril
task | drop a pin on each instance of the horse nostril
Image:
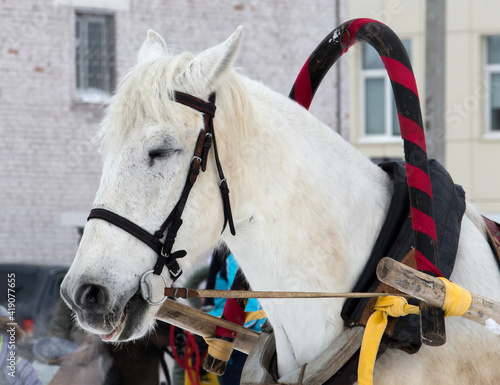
(91, 297)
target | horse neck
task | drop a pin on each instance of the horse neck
(307, 205)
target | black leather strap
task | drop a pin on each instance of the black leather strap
(128, 226)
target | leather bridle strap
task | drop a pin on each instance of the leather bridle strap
(130, 227)
(173, 222)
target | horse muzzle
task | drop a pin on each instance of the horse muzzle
(93, 305)
(99, 313)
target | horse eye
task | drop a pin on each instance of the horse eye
(157, 154)
(161, 153)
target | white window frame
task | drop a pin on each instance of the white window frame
(388, 135)
(490, 69)
(388, 96)
(84, 92)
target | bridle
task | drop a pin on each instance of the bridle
(174, 221)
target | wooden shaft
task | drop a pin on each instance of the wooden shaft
(203, 324)
(432, 290)
(433, 332)
(195, 293)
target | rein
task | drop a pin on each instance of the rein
(180, 292)
(171, 225)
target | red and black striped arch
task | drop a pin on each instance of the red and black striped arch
(398, 66)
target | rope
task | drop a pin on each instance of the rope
(375, 327)
(219, 348)
(456, 302)
(192, 369)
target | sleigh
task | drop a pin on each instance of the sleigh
(414, 277)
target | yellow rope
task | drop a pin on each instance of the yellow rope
(457, 301)
(375, 327)
(220, 349)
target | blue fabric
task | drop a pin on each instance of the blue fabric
(222, 284)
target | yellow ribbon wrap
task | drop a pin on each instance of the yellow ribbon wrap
(456, 302)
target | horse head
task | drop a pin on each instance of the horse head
(148, 141)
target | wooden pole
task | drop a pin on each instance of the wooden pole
(432, 290)
(203, 324)
(197, 293)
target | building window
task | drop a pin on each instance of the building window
(95, 56)
(380, 115)
(493, 80)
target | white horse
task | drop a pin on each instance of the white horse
(307, 208)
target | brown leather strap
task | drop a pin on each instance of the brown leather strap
(195, 103)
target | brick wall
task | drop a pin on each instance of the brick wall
(50, 168)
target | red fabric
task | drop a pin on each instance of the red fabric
(223, 332)
(423, 223)
(411, 131)
(423, 264)
(419, 179)
(493, 227)
(303, 88)
(399, 73)
(233, 313)
(354, 27)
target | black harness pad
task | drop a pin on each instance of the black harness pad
(396, 239)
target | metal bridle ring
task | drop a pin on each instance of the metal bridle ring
(144, 289)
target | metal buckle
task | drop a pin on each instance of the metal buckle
(144, 288)
(175, 275)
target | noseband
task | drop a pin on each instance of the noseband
(174, 221)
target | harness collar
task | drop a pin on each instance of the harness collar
(174, 221)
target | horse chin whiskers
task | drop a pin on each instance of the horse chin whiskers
(136, 323)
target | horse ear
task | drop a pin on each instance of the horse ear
(213, 63)
(153, 47)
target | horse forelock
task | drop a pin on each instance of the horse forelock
(144, 95)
